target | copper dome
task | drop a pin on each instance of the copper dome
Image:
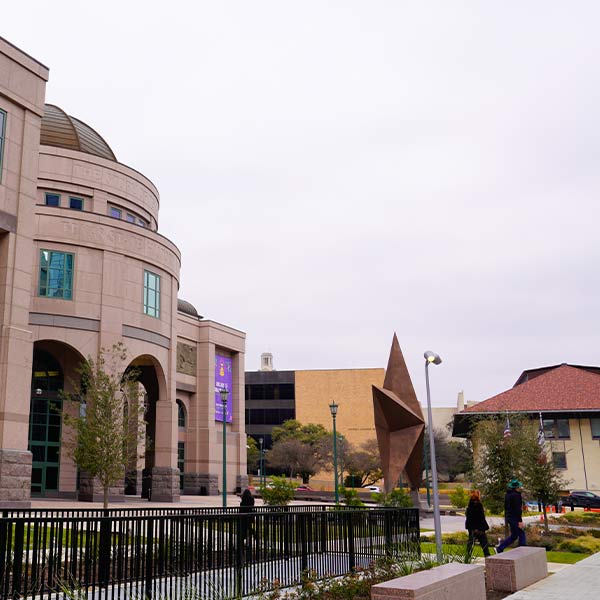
(63, 131)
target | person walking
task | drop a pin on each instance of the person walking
(476, 524)
(513, 515)
(246, 506)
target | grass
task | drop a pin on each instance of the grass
(567, 558)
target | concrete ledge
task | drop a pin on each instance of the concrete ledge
(514, 570)
(454, 580)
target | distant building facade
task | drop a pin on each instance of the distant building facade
(273, 397)
(568, 398)
(82, 266)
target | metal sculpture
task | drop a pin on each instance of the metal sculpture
(399, 423)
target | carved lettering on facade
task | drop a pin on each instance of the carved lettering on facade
(186, 359)
(86, 171)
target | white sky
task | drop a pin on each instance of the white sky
(335, 171)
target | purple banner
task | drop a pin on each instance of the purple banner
(223, 381)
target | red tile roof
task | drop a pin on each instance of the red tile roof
(562, 388)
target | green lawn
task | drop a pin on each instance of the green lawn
(567, 558)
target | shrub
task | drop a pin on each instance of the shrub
(279, 493)
(351, 497)
(398, 498)
(585, 544)
(459, 497)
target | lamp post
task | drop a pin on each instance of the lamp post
(432, 357)
(224, 393)
(261, 461)
(333, 407)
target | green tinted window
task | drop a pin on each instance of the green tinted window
(151, 294)
(56, 274)
(2, 132)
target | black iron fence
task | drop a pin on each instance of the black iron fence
(181, 553)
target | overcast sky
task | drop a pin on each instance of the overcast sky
(335, 171)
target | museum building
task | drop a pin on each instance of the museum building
(82, 267)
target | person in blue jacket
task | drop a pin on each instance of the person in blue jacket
(513, 515)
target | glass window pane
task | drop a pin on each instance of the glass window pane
(56, 274)
(76, 203)
(114, 212)
(549, 428)
(559, 459)
(595, 425)
(130, 218)
(562, 426)
(52, 199)
(151, 294)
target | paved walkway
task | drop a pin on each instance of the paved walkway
(580, 581)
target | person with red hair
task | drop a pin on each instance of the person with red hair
(476, 524)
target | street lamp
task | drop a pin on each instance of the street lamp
(224, 393)
(261, 461)
(432, 357)
(333, 407)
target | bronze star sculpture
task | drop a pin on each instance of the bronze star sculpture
(399, 423)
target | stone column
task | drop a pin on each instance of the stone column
(164, 473)
(23, 104)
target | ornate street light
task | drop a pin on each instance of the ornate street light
(333, 407)
(224, 393)
(433, 358)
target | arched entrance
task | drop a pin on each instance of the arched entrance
(45, 416)
(55, 364)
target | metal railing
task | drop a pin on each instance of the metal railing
(209, 555)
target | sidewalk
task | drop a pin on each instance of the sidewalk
(581, 581)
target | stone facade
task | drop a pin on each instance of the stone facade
(186, 359)
(200, 484)
(74, 199)
(15, 478)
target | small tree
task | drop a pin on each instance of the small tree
(252, 454)
(540, 477)
(398, 498)
(108, 421)
(294, 456)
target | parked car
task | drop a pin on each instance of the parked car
(304, 488)
(582, 498)
(373, 488)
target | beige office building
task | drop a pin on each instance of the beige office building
(83, 266)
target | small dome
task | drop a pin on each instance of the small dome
(63, 131)
(185, 307)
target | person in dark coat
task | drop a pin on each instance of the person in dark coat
(513, 515)
(246, 506)
(476, 524)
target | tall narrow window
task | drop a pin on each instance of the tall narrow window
(151, 294)
(180, 414)
(2, 134)
(595, 425)
(56, 274)
(181, 462)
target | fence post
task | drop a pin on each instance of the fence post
(149, 559)
(387, 519)
(324, 518)
(350, 530)
(303, 545)
(18, 558)
(239, 554)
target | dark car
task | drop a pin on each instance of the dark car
(582, 498)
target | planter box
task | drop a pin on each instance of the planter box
(454, 580)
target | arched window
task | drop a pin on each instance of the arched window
(180, 414)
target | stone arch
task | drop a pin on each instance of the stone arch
(151, 375)
(54, 369)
